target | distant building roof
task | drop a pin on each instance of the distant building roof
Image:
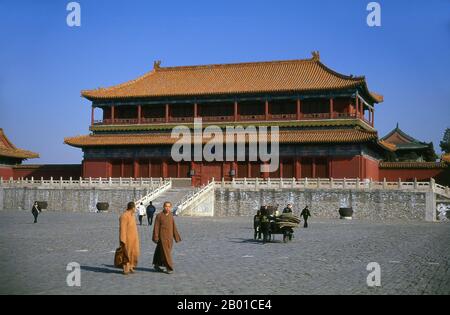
(403, 141)
(7, 149)
(254, 77)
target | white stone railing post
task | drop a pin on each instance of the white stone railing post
(357, 183)
(257, 183)
(51, 181)
(306, 182)
(70, 180)
(90, 181)
(399, 183)
(120, 181)
(110, 181)
(293, 182)
(344, 184)
(432, 184)
(32, 180)
(80, 182)
(60, 181)
(384, 183)
(415, 184)
(1, 180)
(331, 182)
(245, 182)
(268, 182)
(233, 183)
(223, 182)
(371, 184)
(281, 183)
(318, 182)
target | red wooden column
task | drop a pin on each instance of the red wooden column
(121, 168)
(331, 108)
(92, 115)
(112, 113)
(299, 109)
(139, 113)
(281, 168)
(235, 111)
(373, 117)
(298, 168)
(314, 168)
(266, 109)
(135, 169)
(357, 106)
(249, 169)
(265, 175)
(164, 169)
(167, 113)
(195, 110)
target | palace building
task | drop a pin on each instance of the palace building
(326, 121)
(11, 156)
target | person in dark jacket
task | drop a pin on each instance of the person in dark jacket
(150, 212)
(35, 211)
(256, 224)
(288, 208)
(305, 214)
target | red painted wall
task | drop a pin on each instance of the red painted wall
(345, 167)
(410, 174)
(372, 169)
(96, 168)
(6, 172)
(47, 170)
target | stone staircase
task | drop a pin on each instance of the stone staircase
(175, 195)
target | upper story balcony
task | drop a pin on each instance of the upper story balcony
(243, 111)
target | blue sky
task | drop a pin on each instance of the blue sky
(44, 64)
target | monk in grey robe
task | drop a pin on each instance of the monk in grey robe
(164, 232)
(129, 239)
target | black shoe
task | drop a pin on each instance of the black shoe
(158, 268)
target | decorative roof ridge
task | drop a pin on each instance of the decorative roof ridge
(121, 85)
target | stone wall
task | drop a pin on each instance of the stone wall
(372, 205)
(69, 199)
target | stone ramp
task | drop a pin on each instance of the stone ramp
(175, 195)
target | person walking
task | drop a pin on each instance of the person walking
(141, 212)
(305, 214)
(150, 212)
(35, 211)
(129, 240)
(164, 232)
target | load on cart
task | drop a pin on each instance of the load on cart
(268, 222)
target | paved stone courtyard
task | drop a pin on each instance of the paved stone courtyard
(218, 256)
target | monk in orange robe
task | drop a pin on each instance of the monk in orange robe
(164, 232)
(129, 239)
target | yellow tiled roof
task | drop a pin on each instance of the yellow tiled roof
(285, 136)
(7, 149)
(256, 77)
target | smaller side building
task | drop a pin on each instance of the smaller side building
(410, 159)
(10, 156)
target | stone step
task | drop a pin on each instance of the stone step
(174, 195)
